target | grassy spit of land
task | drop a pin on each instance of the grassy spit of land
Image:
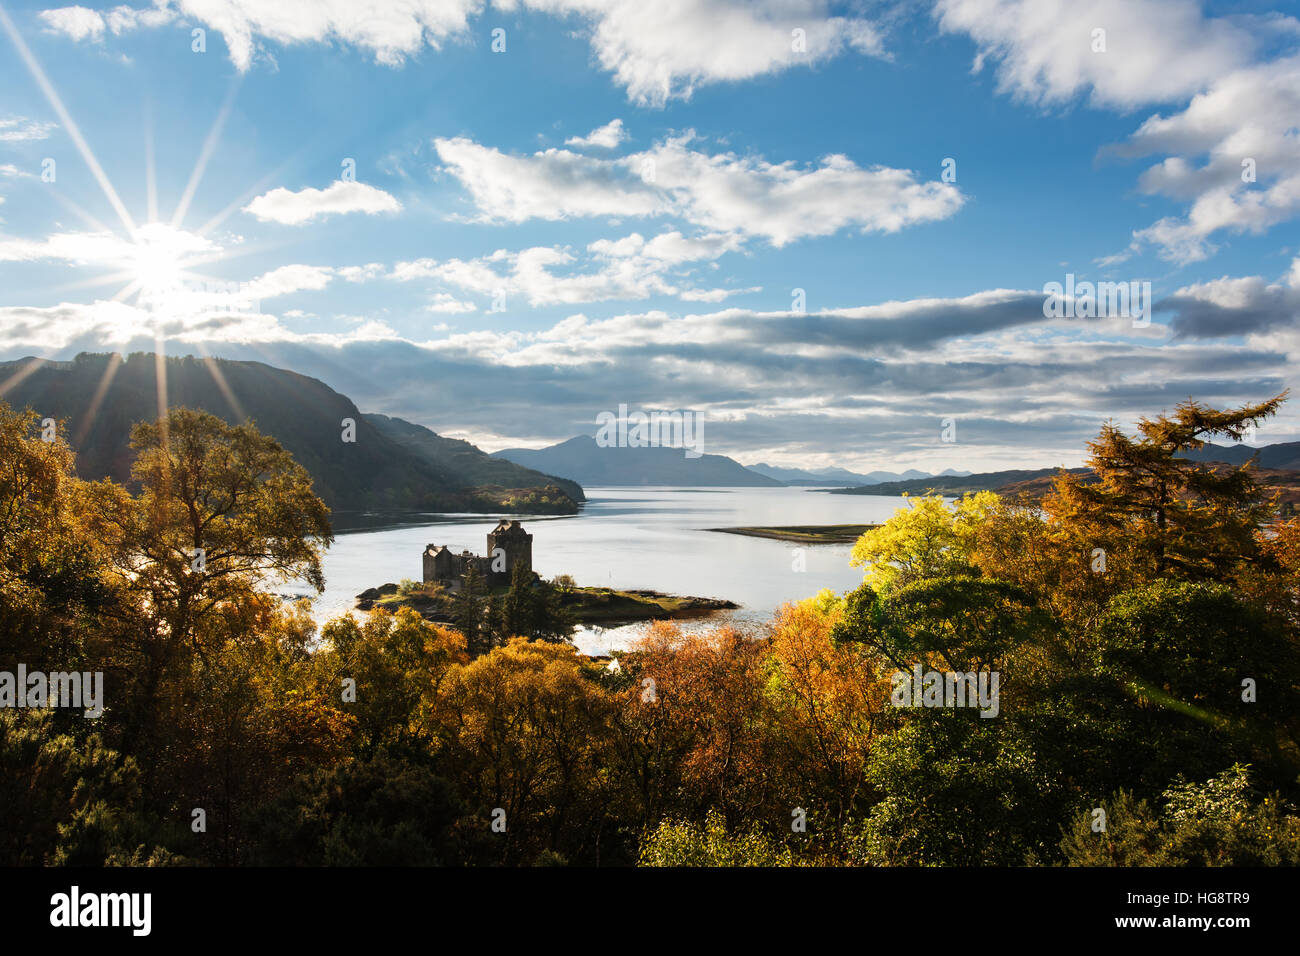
(805, 533)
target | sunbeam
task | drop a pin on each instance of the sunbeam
(220, 379)
(92, 410)
(13, 381)
(205, 154)
(150, 166)
(70, 125)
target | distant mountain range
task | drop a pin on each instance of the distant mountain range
(840, 476)
(392, 465)
(588, 463)
(583, 460)
(1278, 467)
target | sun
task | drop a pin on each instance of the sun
(156, 263)
(159, 257)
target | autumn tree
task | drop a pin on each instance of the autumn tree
(1166, 514)
(51, 566)
(222, 509)
(925, 540)
(523, 733)
(828, 700)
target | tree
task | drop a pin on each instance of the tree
(1220, 822)
(524, 731)
(66, 801)
(532, 608)
(1176, 655)
(1165, 513)
(828, 699)
(221, 509)
(398, 664)
(470, 612)
(51, 564)
(959, 623)
(382, 810)
(710, 844)
(926, 540)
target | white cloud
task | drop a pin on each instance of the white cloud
(445, 303)
(82, 23)
(1027, 391)
(289, 279)
(106, 248)
(781, 202)
(295, 208)
(628, 268)
(389, 31)
(552, 184)
(714, 295)
(1247, 117)
(1155, 50)
(79, 23)
(1163, 51)
(605, 137)
(658, 51)
(16, 129)
(371, 270)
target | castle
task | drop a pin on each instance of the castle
(508, 546)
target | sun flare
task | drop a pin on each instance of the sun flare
(159, 258)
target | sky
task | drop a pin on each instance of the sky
(841, 234)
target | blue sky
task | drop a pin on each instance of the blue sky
(618, 207)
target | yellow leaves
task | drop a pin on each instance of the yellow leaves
(927, 539)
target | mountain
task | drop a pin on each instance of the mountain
(839, 476)
(468, 461)
(954, 484)
(582, 460)
(801, 476)
(100, 397)
(1283, 455)
(1277, 467)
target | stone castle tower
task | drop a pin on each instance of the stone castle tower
(508, 546)
(515, 546)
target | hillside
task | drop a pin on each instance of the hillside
(1283, 455)
(582, 460)
(1038, 482)
(100, 397)
(469, 462)
(955, 484)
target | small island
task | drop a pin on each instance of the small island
(507, 565)
(606, 607)
(805, 534)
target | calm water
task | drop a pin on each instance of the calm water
(636, 538)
